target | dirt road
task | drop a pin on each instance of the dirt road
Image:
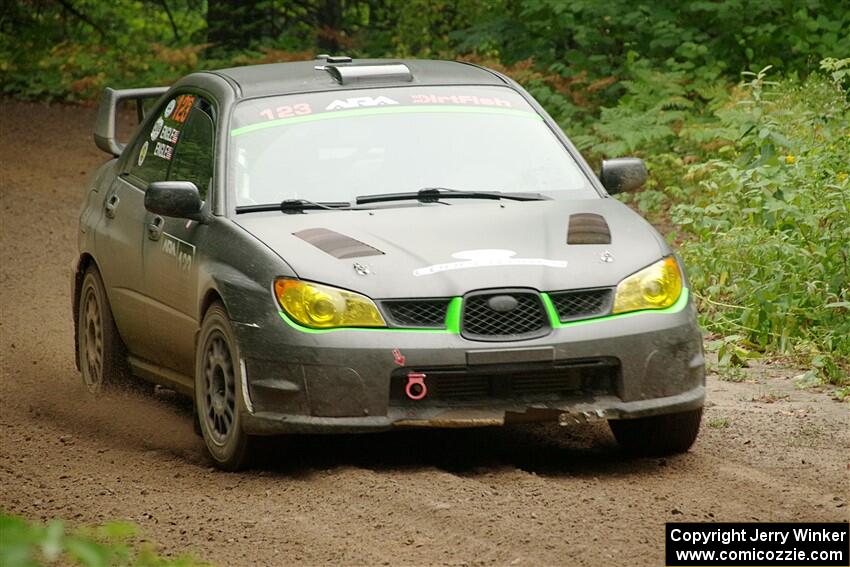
(532, 496)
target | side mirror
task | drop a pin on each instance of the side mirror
(179, 199)
(622, 174)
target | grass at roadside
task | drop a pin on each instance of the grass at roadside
(28, 544)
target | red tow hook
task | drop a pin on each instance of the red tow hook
(416, 388)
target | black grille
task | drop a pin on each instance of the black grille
(573, 378)
(417, 312)
(582, 304)
(525, 320)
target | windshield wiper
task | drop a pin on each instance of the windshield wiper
(426, 195)
(293, 206)
(434, 194)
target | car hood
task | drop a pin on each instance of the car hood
(439, 250)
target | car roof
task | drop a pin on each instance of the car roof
(309, 76)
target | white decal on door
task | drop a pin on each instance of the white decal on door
(182, 252)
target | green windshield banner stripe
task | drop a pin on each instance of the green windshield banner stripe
(424, 109)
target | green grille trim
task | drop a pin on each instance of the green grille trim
(453, 314)
(680, 304)
(554, 319)
(304, 329)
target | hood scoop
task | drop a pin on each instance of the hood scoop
(588, 228)
(336, 244)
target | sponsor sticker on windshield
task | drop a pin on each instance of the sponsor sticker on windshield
(163, 151)
(157, 128)
(460, 99)
(360, 102)
(143, 153)
(169, 134)
(169, 108)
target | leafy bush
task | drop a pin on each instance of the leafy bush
(756, 180)
(61, 50)
(29, 544)
(767, 220)
(706, 40)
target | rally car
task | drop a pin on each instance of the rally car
(360, 245)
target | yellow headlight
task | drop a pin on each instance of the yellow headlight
(321, 306)
(654, 287)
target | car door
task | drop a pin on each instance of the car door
(171, 245)
(119, 241)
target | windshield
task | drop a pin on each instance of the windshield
(336, 146)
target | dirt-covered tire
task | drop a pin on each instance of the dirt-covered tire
(659, 434)
(218, 392)
(103, 356)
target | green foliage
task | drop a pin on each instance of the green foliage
(839, 69)
(755, 179)
(81, 72)
(768, 220)
(68, 50)
(647, 116)
(731, 351)
(29, 544)
(719, 423)
(49, 52)
(707, 40)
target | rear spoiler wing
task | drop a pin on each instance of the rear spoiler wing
(104, 126)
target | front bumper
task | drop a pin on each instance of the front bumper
(342, 381)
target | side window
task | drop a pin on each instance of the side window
(193, 156)
(154, 149)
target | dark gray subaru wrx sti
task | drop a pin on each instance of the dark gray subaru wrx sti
(354, 246)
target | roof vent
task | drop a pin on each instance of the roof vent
(385, 73)
(333, 58)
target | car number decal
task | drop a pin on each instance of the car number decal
(182, 252)
(184, 105)
(286, 111)
(486, 258)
